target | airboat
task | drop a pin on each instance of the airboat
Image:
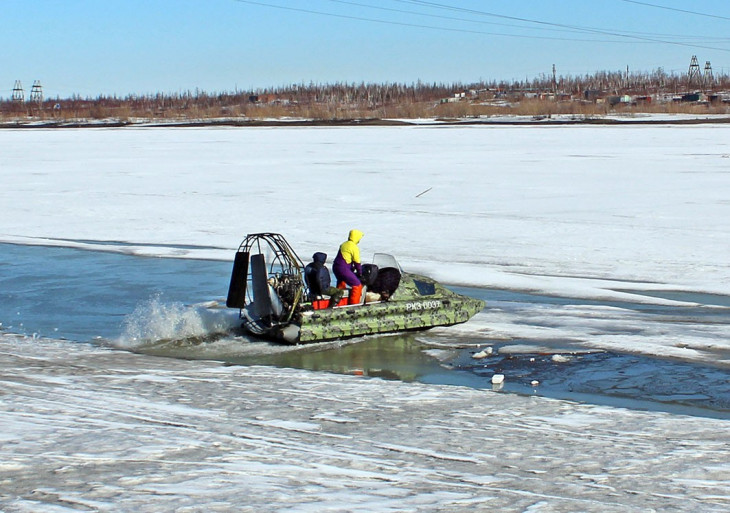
(268, 287)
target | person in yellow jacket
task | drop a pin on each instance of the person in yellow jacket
(347, 266)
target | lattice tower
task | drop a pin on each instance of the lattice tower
(694, 75)
(709, 79)
(18, 93)
(36, 92)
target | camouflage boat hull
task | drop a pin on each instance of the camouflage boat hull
(408, 309)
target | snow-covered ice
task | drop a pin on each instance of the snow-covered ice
(575, 210)
(628, 213)
(613, 213)
(89, 429)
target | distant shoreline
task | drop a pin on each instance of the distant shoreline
(496, 121)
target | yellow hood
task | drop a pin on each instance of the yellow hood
(355, 236)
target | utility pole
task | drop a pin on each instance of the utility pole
(555, 82)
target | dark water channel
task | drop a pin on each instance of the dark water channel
(87, 296)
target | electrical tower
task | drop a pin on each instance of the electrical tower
(694, 75)
(709, 79)
(18, 93)
(36, 93)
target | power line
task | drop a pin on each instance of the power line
(623, 33)
(541, 22)
(495, 15)
(441, 17)
(677, 10)
(483, 13)
(415, 25)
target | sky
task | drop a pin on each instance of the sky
(121, 47)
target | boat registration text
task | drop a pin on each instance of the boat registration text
(423, 305)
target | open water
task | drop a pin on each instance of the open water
(173, 308)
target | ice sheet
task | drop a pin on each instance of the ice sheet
(567, 209)
(126, 432)
(583, 211)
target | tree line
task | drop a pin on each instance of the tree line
(341, 99)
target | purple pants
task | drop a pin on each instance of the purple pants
(343, 271)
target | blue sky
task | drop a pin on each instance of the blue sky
(92, 47)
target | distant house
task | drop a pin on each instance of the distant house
(691, 97)
(454, 99)
(624, 99)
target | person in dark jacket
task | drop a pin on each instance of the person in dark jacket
(318, 280)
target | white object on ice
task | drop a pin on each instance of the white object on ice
(497, 379)
(482, 354)
(534, 382)
(559, 358)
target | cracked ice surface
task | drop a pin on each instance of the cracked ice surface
(91, 429)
